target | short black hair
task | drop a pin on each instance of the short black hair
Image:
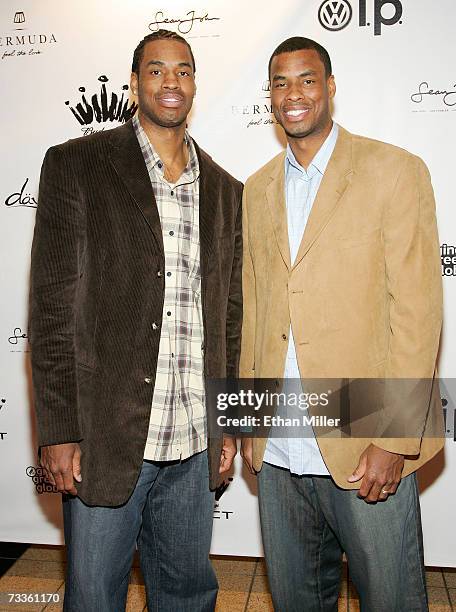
(298, 43)
(158, 35)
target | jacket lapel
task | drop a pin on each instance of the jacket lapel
(275, 196)
(128, 161)
(333, 185)
(208, 198)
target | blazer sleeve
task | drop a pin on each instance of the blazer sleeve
(247, 362)
(234, 312)
(414, 283)
(55, 267)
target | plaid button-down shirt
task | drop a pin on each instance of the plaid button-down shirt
(177, 426)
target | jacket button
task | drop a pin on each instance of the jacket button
(154, 325)
(159, 273)
(284, 336)
(148, 380)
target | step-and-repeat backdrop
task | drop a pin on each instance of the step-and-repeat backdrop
(65, 69)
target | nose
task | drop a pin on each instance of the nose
(170, 81)
(294, 92)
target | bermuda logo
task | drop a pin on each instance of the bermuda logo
(19, 42)
(19, 17)
(335, 15)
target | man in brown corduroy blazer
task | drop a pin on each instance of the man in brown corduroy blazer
(135, 302)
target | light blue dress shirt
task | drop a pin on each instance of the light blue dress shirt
(300, 455)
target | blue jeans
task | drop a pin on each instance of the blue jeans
(169, 515)
(307, 521)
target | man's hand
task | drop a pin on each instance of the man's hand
(62, 463)
(229, 451)
(381, 473)
(247, 454)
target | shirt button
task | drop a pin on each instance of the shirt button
(154, 325)
(160, 165)
(172, 193)
(169, 313)
(284, 336)
(171, 233)
(148, 380)
(168, 274)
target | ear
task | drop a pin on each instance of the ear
(331, 84)
(134, 83)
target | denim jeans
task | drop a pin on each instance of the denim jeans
(169, 515)
(308, 521)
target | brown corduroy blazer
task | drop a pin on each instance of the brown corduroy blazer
(97, 290)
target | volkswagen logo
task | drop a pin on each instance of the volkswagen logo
(335, 15)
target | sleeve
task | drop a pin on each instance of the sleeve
(247, 361)
(414, 282)
(234, 312)
(55, 265)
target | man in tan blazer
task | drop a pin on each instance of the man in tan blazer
(341, 280)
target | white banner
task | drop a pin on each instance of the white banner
(65, 70)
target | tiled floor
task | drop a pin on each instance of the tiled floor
(243, 582)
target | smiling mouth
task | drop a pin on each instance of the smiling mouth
(171, 101)
(296, 113)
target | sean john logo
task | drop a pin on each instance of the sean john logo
(101, 108)
(444, 98)
(18, 335)
(185, 24)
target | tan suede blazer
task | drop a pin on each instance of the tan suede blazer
(364, 296)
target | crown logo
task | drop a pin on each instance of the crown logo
(100, 108)
(19, 17)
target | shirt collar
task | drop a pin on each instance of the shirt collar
(191, 171)
(321, 159)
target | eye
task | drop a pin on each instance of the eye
(184, 73)
(155, 72)
(309, 81)
(279, 85)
